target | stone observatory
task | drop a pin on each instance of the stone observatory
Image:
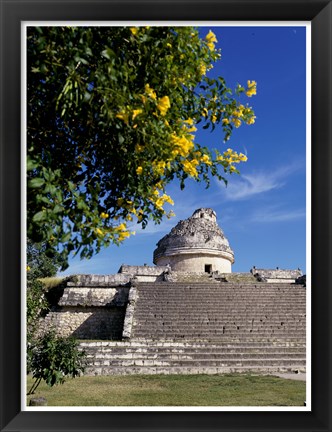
(196, 245)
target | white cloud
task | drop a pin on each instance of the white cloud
(268, 215)
(259, 182)
(253, 184)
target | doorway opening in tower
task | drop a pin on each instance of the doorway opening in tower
(208, 268)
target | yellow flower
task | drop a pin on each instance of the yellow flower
(225, 121)
(211, 37)
(168, 199)
(169, 45)
(205, 112)
(121, 227)
(190, 167)
(213, 119)
(252, 88)
(123, 235)
(159, 203)
(28, 268)
(237, 122)
(104, 215)
(139, 148)
(163, 105)
(99, 232)
(251, 120)
(159, 167)
(123, 116)
(182, 145)
(205, 159)
(134, 30)
(139, 170)
(136, 112)
(190, 121)
(150, 92)
(202, 69)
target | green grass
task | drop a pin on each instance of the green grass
(51, 282)
(174, 390)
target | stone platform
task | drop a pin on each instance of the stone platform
(207, 328)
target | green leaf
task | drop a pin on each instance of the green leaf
(39, 216)
(57, 209)
(36, 182)
(31, 164)
(65, 237)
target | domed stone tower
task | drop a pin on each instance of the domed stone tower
(196, 245)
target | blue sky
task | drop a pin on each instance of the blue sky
(263, 210)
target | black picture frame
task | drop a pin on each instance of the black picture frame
(319, 13)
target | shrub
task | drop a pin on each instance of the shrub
(54, 358)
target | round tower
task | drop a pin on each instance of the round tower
(196, 245)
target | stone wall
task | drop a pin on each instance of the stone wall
(91, 307)
(92, 280)
(94, 296)
(276, 275)
(196, 262)
(144, 273)
(87, 323)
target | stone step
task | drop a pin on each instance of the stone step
(226, 339)
(246, 340)
(225, 317)
(172, 296)
(236, 285)
(264, 332)
(219, 291)
(186, 370)
(206, 336)
(222, 300)
(199, 357)
(193, 351)
(222, 361)
(217, 327)
(183, 320)
(223, 305)
(197, 314)
(213, 335)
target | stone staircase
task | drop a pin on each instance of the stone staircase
(208, 328)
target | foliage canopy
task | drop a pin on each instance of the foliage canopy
(111, 121)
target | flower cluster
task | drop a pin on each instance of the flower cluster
(252, 88)
(160, 201)
(163, 105)
(238, 114)
(149, 92)
(190, 167)
(229, 158)
(210, 40)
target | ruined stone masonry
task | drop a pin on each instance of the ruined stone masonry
(189, 313)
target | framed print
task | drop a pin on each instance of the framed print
(305, 116)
